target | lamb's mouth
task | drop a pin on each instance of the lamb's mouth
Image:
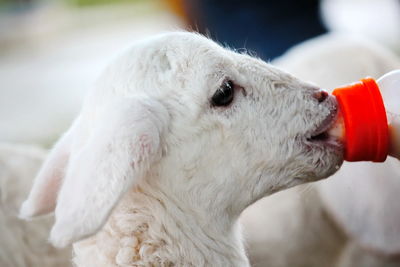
(320, 134)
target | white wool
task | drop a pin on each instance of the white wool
(152, 173)
(23, 244)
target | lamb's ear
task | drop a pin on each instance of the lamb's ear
(120, 150)
(363, 198)
(43, 195)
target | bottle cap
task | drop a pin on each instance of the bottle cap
(366, 127)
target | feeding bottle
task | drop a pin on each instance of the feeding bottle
(368, 122)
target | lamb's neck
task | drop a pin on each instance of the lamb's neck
(157, 232)
(215, 237)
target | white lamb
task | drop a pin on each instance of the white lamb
(176, 139)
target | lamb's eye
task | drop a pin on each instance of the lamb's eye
(224, 95)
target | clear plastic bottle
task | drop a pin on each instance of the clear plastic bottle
(389, 85)
(368, 122)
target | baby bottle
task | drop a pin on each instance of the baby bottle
(368, 122)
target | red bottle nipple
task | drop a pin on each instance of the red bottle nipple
(366, 126)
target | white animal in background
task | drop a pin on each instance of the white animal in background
(23, 244)
(351, 219)
(378, 20)
(176, 139)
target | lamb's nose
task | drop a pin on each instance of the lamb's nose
(321, 95)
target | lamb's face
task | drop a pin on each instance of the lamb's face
(181, 117)
(238, 126)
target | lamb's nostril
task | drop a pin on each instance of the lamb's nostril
(320, 95)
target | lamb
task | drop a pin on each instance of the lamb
(176, 139)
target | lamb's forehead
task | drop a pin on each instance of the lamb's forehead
(199, 51)
(183, 44)
(161, 58)
(197, 62)
(193, 52)
(191, 55)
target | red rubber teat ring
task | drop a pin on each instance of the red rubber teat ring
(366, 127)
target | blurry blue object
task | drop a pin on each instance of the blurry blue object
(267, 27)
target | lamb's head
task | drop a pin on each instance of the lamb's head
(182, 117)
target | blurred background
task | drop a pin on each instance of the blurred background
(52, 50)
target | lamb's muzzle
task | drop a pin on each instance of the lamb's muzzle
(321, 132)
(184, 135)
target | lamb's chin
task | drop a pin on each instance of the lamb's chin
(329, 160)
(321, 160)
(324, 153)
